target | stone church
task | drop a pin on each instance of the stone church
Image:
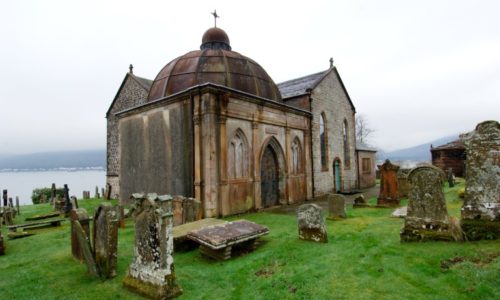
(213, 125)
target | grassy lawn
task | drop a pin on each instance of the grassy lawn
(362, 260)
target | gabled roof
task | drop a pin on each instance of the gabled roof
(364, 147)
(143, 82)
(300, 86)
(303, 85)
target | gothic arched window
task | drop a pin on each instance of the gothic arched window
(323, 141)
(296, 157)
(238, 156)
(347, 154)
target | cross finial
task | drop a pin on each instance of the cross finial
(331, 62)
(131, 69)
(215, 17)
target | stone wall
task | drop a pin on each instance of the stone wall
(131, 94)
(330, 98)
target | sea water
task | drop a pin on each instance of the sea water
(22, 184)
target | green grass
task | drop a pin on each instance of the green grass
(362, 260)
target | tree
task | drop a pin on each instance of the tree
(363, 130)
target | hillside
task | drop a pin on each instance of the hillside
(417, 153)
(55, 160)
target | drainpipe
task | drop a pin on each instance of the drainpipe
(311, 143)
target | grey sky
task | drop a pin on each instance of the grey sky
(417, 70)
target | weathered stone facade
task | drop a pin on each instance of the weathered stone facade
(133, 91)
(481, 208)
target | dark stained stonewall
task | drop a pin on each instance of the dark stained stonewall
(427, 217)
(481, 208)
(105, 235)
(311, 224)
(86, 250)
(388, 184)
(82, 217)
(336, 206)
(151, 272)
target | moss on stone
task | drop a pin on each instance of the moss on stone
(480, 229)
(167, 291)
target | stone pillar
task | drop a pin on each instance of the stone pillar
(481, 208)
(256, 164)
(197, 150)
(288, 163)
(307, 162)
(223, 185)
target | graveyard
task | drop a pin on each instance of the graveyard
(363, 259)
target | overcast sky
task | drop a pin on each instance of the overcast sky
(416, 70)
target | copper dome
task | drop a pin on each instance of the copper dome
(214, 63)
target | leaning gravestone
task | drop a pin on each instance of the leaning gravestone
(311, 224)
(152, 270)
(481, 208)
(105, 236)
(85, 248)
(82, 217)
(388, 195)
(336, 206)
(426, 216)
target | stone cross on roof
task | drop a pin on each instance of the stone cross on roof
(215, 17)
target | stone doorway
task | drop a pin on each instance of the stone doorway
(269, 174)
(336, 176)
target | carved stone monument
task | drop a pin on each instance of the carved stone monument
(105, 236)
(481, 208)
(388, 184)
(82, 217)
(336, 206)
(152, 270)
(311, 224)
(427, 216)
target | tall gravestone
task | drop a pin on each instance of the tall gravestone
(85, 248)
(151, 272)
(68, 206)
(388, 195)
(481, 208)
(311, 224)
(4, 196)
(17, 205)
(336, 206)
(53, 194)
(105, 236)
(427, 216)
(82, 217)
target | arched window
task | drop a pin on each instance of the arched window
(323, 141)
(296, 157)
(347, 154)
(238, 156)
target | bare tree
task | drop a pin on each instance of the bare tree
(363, 130)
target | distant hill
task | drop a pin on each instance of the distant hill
(55, 160)
(417, 153)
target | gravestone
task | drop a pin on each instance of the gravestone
(67, 201)
(4, 196)
(426, 215)
(192, 211)
(8, 216)
(311, 224)
(177, 210)
(2, 246)
(388, 195)
(105, 236)
(336, 206)
(107, 195)
(360, 201)
(451, 178)
(481, 208)
(85, 248)
(59, 204)
(53, 193)
(96, 195)
(74, 202)
(82, 217)
(403, 186)
(11, 203)
(17, 205)
(151, 272)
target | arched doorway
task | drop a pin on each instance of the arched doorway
(269, 174)
(336, 175)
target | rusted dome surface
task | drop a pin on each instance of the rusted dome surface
(214, 64)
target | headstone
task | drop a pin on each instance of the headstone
(17, 205)
(96, 195)
(59, 204)
(86, 250)
(53, 193)
(4, 196)
(151, 272)
(481, 208)
(11, 203)
(451, 178)
(336, 206)
(403, 186)
(388, 185)
(82, 217)
(2, 246)
(105, 236)
(191, 210)
(311, 224)
(427, 217)
(74, 202)
(102, 193)
(177, 210)
(360, 201)
(67, 201)
(8, 216)
(107, 195)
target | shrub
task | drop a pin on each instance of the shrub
(36, 195)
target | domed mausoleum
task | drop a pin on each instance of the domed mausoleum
(213, 125)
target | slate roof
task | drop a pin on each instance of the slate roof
(146, 83)
(300, 86)
(456, 144)
(364, 147)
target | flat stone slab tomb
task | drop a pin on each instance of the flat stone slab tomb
(217, 241)
(181, 231)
